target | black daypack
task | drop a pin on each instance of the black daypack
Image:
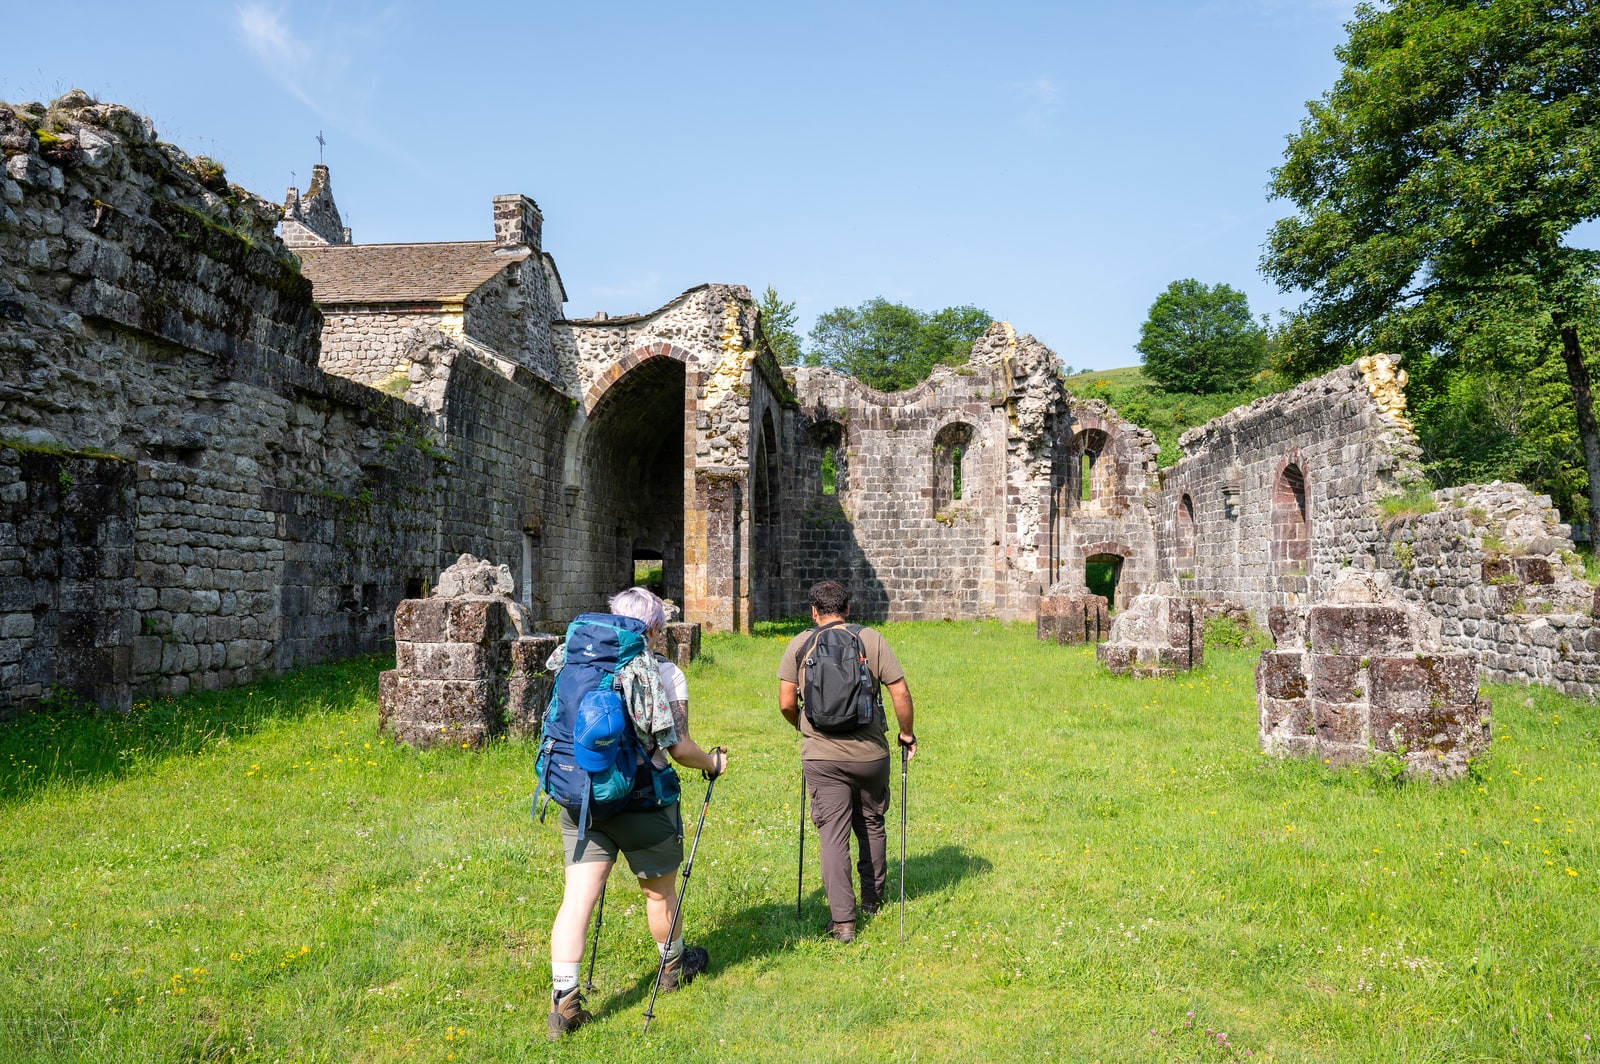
(839, 694)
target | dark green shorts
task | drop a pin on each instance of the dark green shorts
(651, 840)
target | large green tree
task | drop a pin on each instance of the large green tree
(890, 346)
(1437, 184)
(1200, 338)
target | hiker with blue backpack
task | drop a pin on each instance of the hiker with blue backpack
(830, 684)
(616, 717)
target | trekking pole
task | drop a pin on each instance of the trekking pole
(688, 867)
(594, 947)
(800, 873)
(905, 759)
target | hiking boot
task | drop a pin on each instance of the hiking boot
(681, 970)
(870, 906)
(567, 1014)
(842, 930)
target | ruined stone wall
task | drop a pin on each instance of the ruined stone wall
(146, 310)
(1249, 543)
(368, 344)
(677, 382)
(1497, 568)
(67, 615)
(1102, 476)
(503, 498)
(512, 313)
(905, 553)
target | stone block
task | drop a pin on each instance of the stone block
(1335, 678)
(1340, 722)
(683, 642)
(1285, 716)
(1281, 676)
(422, 621)
(1533, 570)
(446, 661)
(1423, 681)
(478, 620)
(527, 697)
(528, 654)
(1362, 630)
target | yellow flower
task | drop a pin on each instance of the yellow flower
(1572, 871)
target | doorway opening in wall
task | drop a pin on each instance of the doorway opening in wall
(649, 571)
(634, 483)
(1101, 573)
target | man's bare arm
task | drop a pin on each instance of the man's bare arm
(789, 703)
(905, 715)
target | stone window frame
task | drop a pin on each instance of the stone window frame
(1108, 547)
(821, 434)
(1183, 561)
(1288, 566)
(951, 450)
(1090, 444)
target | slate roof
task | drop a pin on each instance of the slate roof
(402, 273)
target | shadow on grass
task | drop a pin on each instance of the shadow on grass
(69, 741)
(762, 930)
(787, 626)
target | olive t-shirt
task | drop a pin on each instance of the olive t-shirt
(868, 742)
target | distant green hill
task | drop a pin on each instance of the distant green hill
(1167, 414)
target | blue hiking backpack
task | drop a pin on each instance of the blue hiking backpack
(590, 761)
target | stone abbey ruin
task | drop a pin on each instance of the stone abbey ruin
(235, 441)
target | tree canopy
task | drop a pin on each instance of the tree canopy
(1436, 185)
(890, 346)
(1200, 338)
(777, 323)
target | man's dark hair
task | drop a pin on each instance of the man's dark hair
(830, 598)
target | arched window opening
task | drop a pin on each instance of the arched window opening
(1183, 553)
(1291, 532)
(827, 476)
(1090, 445)
(950, 447)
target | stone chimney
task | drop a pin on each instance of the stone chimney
(312, 220)
(517, 222)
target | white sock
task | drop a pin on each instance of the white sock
(670, 951)
(564, 975)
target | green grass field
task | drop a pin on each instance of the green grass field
(1100, 869)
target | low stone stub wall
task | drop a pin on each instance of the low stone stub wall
(1067, 618)
(1365, 673)
(1157, 635)
(452, 669)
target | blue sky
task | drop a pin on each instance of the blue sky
(1057, 165)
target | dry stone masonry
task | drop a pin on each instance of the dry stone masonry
(1069, 614)
(1364, 672)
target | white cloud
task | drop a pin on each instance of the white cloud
(316, 69)
(1040, 101)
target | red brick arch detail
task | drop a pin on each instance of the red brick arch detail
(1108, 547)
(619, 369)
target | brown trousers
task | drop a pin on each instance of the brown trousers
(846, 797)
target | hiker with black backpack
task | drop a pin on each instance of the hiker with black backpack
(616, 716)
(830, 685)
